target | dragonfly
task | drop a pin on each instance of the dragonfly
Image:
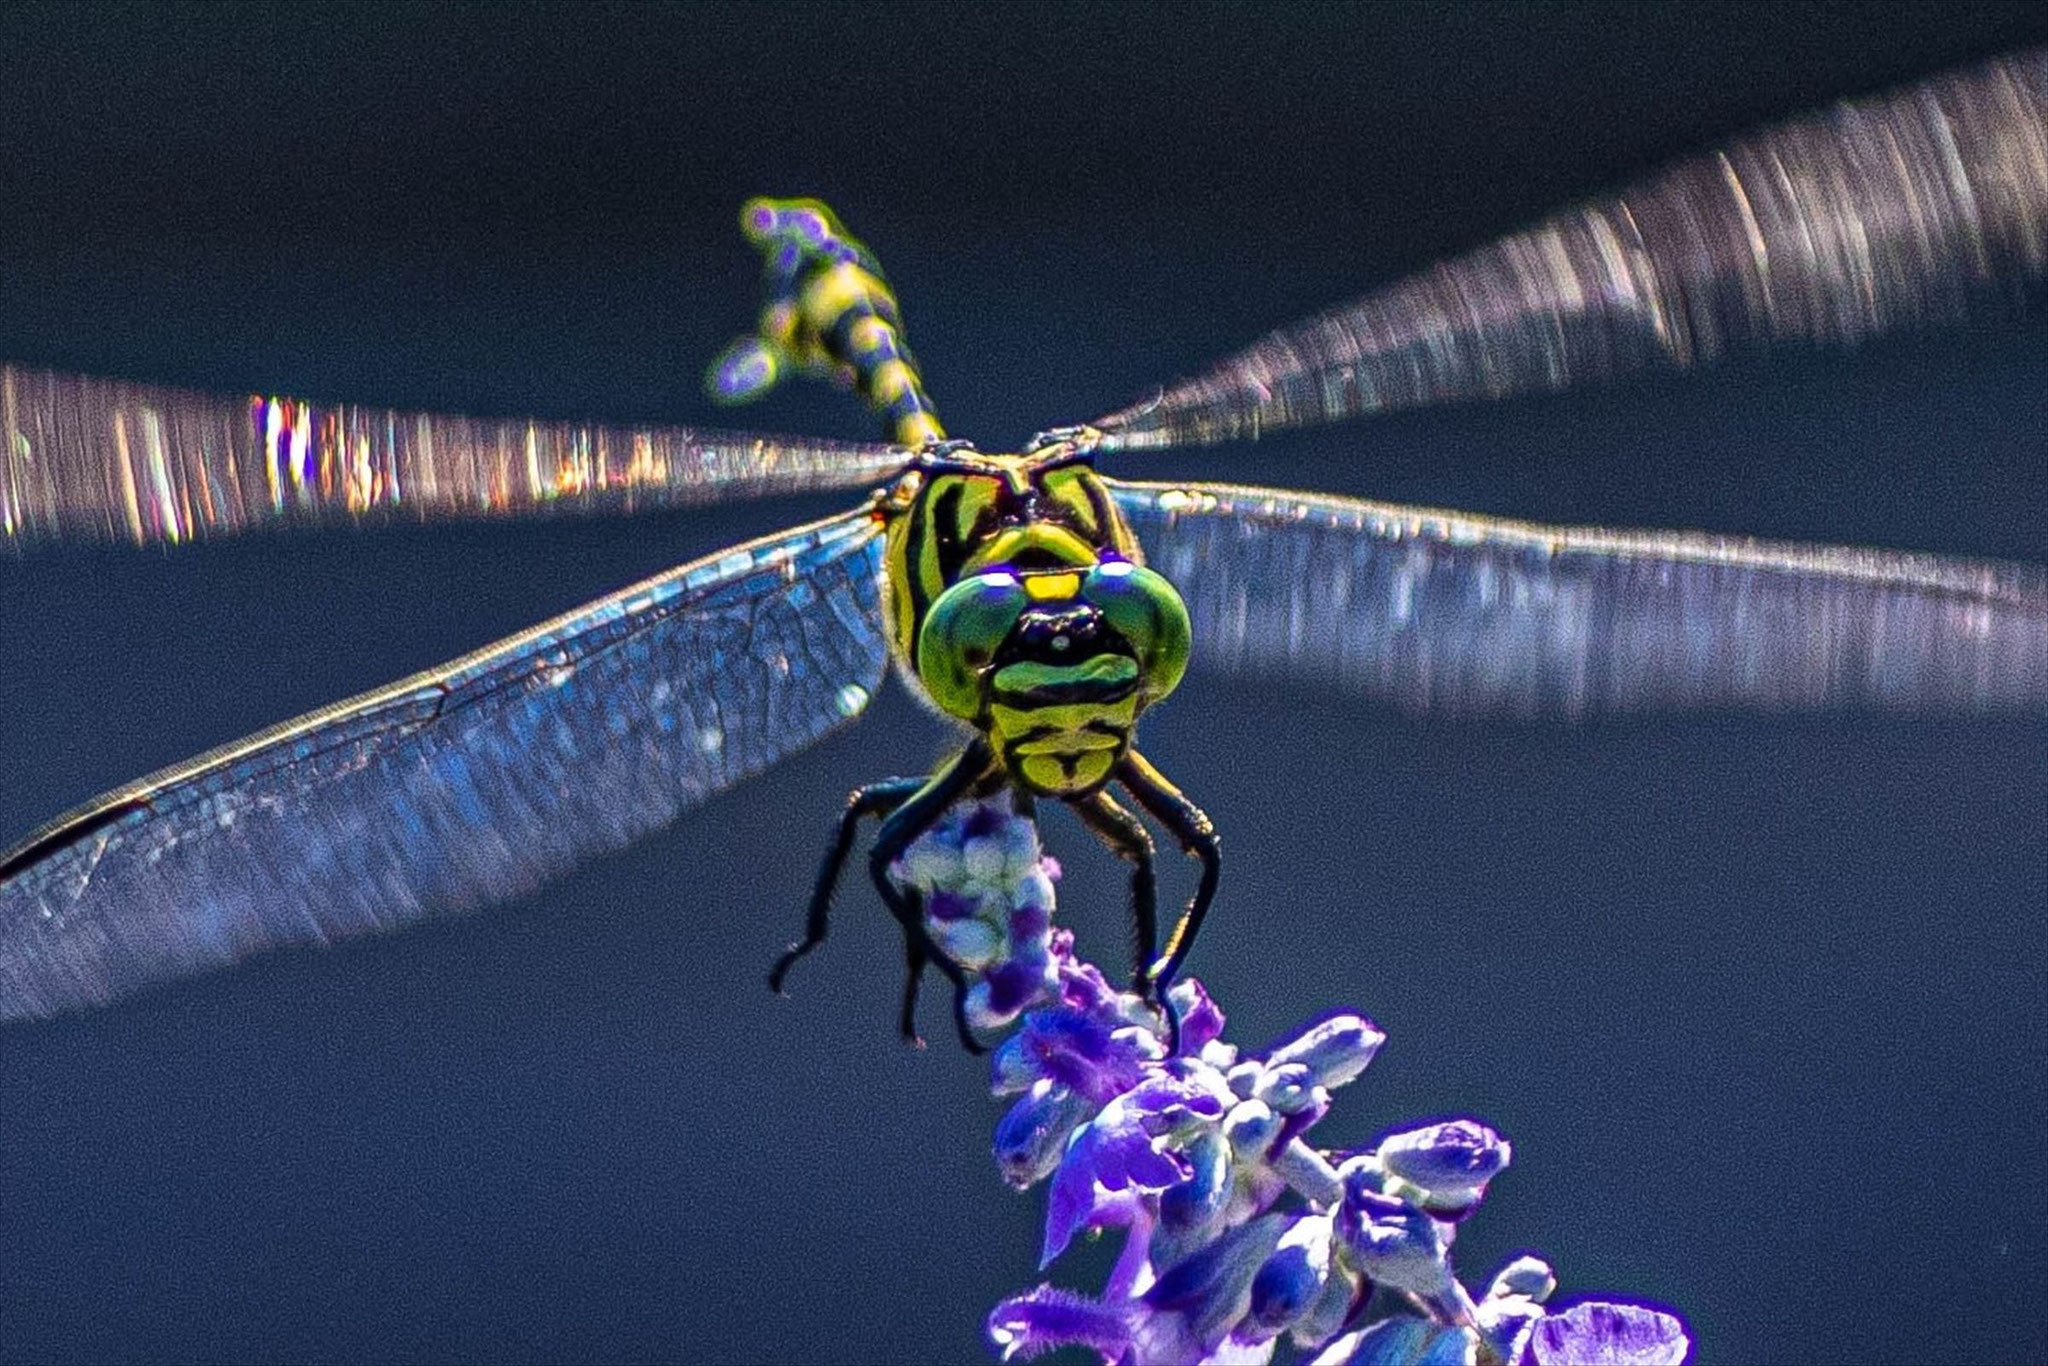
(477, 781)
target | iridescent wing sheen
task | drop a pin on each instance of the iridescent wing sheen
(1446, 612)
(456, 787)
(1928, 204)
(106, 459)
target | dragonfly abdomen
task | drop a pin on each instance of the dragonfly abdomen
(830, 313)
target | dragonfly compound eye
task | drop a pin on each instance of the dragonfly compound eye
(1148, 613)
(961, 635)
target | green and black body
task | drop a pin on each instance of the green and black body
(1018, 603)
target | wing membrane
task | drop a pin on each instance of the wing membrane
(1445, 612)
(1928, 204)
(105, 459)
(456, 787)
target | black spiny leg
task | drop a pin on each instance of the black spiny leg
(912, 818)
(913, 974)
(875, 799)
(1198, 839)
(1128, 839)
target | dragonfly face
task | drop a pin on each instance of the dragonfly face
(1020, 602)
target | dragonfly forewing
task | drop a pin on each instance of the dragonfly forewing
(456, 787)
(1448, 612)
(89, 458)
(1925, 205)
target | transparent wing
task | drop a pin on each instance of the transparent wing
(456, 787)
(1444, 612)
(1928, 204)
(105, 459)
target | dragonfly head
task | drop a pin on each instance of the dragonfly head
(1055, 664)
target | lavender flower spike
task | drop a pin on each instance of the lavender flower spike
(1241, 1240)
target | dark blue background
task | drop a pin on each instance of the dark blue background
(1758, 1000)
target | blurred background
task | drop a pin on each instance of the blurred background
(1756, 998)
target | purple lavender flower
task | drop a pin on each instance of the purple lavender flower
(1237, 1234)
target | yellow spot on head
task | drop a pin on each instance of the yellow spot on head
(1051, 587)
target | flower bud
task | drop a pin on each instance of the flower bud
(1506, 1322)
(1019, 841)
(1528, 1276)
(1289, 1088)
(1033, 888)
(1335, 1050)
(931, 863)
(1031, 1137)
(1292, 1279)
(972, 943)
(1402, 1341)
(1393, 1242)
(982, 859)
(1451, 1161)
(1201, 1020)
(1340, 1295)
(1513, 1305)
(1251, 1126)
(1212, 1285)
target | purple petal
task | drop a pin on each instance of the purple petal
(1201, 1019)
(983, 821)
(1077, 1050)
(1169, 1100)
(944, 904)
(1028, 923)
(1200, 1198)
(1527, 1276)
(1110, 1163)
(1012, 985)
(1601, 1334)
(1036, 1322)
(1301, 1121)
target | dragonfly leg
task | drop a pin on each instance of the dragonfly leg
(874, 799)
(915, 815)
(1198, 838)
(913, 974)
(1128, 839)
